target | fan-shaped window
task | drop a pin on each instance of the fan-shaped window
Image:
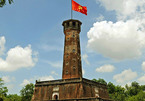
(67, 55)
(74, 50)
(67, 63)
(66, 72)
(74, 67)
(56, 89)
(73, 35)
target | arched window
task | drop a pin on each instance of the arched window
(74, 24)
(55, 97)
(73, 42)
(67, 47)
(68, 24)
(67, 55)
(66, 72)
(74, 67)
(74, 50)
(73, 36)
(67, 63)
(67, 39)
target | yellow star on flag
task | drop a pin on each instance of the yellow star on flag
(80, 7)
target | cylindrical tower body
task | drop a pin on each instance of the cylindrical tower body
(72, 67)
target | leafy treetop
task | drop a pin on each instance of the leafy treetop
(3, 2)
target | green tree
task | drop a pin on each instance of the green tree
(111, 88)
(134, 92)
(134, 89)
(102, 81)
(142, 87)
(3, 90)
(139, 97)
(13, 97)
(119, 94)
(3, 2)
(135, 84)
(27, 92)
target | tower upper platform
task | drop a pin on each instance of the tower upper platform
(72, 24)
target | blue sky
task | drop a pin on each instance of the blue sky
(32, 41)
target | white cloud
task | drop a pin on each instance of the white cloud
(105, 68)
(100, 18)
(125, 76)
(121, 6)
(11, 88)
(8, 79)
(143, 66)
(85, 58)
(25, 82)
(49, 48)
(2, 45)
(45, 78)
(142, 79)
(57, 64)
(83, 71)
(124, 7)
(9, 82)
(32, 80)
(17, 58)
(120, 40)
(54, 73)
(124, 85)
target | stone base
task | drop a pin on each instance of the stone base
(77, 89)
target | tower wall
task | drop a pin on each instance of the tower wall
(72, 67)
(70, 89)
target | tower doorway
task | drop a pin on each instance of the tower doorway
(55, 97)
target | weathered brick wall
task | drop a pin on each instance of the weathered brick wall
(88, 91)
(71, 90)
(103, 93)
(72, 67)
(42, 93)
(66, 91)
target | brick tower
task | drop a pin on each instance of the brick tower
(72, 86)
(72, 67)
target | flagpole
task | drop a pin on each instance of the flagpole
(71, 10)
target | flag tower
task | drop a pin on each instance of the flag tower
(72, 67)
(72, 86)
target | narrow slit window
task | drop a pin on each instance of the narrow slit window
(74, 24)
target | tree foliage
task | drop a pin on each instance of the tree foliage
(3, 2)
(134, 92)
(27, 92)
(102, 81)
(3, 89)
(13, 97)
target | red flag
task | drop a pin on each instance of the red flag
(77, 7)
